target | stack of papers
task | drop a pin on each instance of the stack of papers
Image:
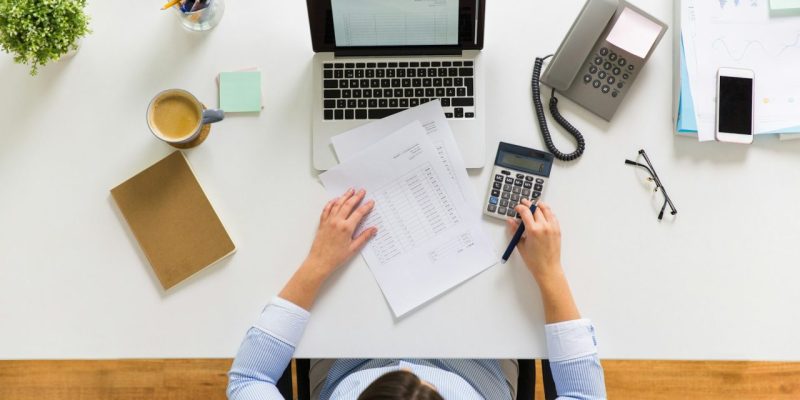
(429, 234)
(738, 34)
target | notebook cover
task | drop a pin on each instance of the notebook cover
(172, 220)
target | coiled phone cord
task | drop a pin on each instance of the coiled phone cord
(537, 103)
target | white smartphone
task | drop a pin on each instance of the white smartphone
(735, 105)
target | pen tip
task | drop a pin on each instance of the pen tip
(502, 261)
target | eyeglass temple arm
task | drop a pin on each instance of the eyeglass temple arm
(629, 162)
(658, 182)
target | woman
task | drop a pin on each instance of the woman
(269, 345)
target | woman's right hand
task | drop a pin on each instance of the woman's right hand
(540, 246)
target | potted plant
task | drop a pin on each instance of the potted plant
(36, 32)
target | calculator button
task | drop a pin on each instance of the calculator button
(516, 190)
(612, 56)
(528, 185)
(602, 75)
(603, 51)
(616, 70)
(502, 210)
(605, 89)
(511, 213)
(509, 180)
(526, 192)
(630, 67)
(504, 172)
(614, 93)
(587, 78)
(598, 60)
(528, 178)
(498, 178)
(506, 188)
(620, 85)
(496, 193)
(504, 203)
(625, 76)
(497, 185)
(536, 195)
(607, 66)
(520, 176)
(592, 69)
(596, 84)
(518, 182)
(505, 195)
(622, 62)
(611, 80)
(514, 197)
(538, 187)
(492, 200)
(492, 208)
(539, 180)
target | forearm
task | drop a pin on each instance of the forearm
(572, 350)
(266, 351)
(556, 296)
(303, 287)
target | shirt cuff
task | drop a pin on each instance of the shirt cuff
(283, 320)
(569, 340)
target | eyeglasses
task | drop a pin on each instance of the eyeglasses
(654, 178)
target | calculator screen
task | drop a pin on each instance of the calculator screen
(523, 163)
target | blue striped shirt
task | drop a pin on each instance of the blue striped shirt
(269, 345)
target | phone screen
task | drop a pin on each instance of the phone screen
(735, 105)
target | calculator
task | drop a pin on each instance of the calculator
(519, 173)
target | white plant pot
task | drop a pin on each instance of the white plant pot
(72, 52)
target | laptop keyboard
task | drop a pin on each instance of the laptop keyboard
(373, 90)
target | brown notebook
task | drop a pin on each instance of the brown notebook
(172, 220)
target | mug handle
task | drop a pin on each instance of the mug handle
(213, 115)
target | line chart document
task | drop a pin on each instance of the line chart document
(741, 34)
(429, 240)
(431, 116)
(395, 22)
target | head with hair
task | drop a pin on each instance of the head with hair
(399, 385)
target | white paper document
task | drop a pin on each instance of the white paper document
(741, 34)
(395, 22)
(431, 116)
(429, 240)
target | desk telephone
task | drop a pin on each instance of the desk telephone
(596, 63)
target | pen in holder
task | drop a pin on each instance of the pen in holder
(199, 15)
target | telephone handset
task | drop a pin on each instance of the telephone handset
(596, 63)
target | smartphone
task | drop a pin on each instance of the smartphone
(735, 105)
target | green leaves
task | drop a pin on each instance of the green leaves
(39, 31)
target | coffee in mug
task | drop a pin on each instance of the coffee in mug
(177, 117)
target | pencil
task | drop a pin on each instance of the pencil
(170, 4)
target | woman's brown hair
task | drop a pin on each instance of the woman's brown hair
(399, 385)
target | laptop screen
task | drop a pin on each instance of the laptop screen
(385, 27)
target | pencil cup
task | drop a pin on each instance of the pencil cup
(202, 19)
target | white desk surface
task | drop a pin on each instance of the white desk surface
(720, 281)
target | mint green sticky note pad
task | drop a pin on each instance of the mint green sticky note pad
(240, 91)
(784, 7)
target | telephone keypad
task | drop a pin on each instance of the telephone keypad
(608, 67)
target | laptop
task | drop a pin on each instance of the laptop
(375, 58)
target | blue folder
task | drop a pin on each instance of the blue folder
(687, 121)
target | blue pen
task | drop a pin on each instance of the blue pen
(516, 238)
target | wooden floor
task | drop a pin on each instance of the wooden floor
(206, 379)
